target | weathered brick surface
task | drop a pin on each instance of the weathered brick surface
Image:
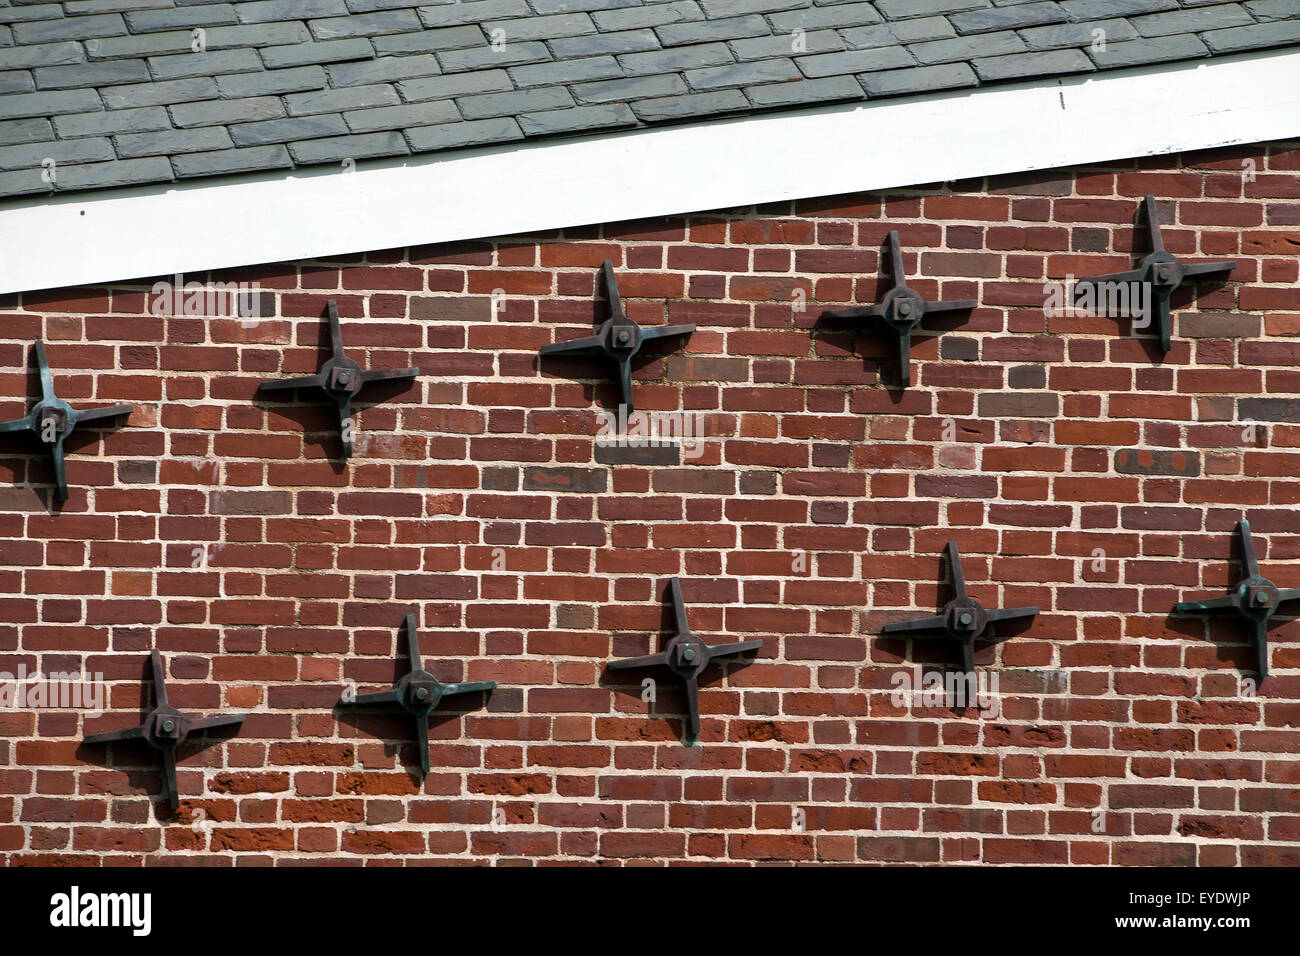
(1077, 469)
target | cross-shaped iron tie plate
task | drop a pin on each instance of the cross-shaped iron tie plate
(340, 378)
(1255, 598)
(1160, 271)
(52, 420)
(686, 656)
(165, 729)
(901, 310)
(618, 339)
(962, 620)
(418, 693)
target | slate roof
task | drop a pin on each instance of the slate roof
(115, 93)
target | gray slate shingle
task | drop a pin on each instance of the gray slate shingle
(106, 123)
(1021, 65)
(209, 15)
(968, 48)
(401, 117)
(172, 142)
(287, 130)
(69, 28)
(486, 56)
(223, 112)
(1236, 39)
(1192, 20)
(489, 105)
(429, 41)
(693, 104)
(649, 15)
(920, 79)
(272, 82)
(45, 54)
(1154, 50)
(267, 11)
(630, 88)
(383, 70)
(706, 31)
(855, 61)
(832, 89)
(817, 18)
(32, 156)
(16, 81)
(120, 172)
(759, 48)
(36, 129)
(80, 75)
(472, 11)
(180, 66)
(901, 9)
(455, 135)
(554, 122)
(20, 105)
(626, 41)
(754, 73)
(1081, 35)
(364, 25)
(565, 71)
(334, 149)
(1099, 9)
(543, 28)
(328, 51)
(227, 161)
(460, 84)
(336, 101)
(159, 94)
(680, 58)
(1018, 17)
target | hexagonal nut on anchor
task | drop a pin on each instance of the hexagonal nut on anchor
(1258, 597)
(55, 418)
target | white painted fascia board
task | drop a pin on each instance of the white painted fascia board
(503, 190)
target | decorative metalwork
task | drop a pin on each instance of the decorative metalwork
(418, 693)
(686, 656)
(901, 310)
(963, 620)
(618, 339)
(165, 729)
(52, 420)
(340, 378)
(1160, 271)
(1255, 598)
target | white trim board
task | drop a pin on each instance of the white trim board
(502, 190)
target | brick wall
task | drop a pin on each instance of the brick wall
(1076, 469)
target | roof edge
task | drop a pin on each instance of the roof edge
(91, 238)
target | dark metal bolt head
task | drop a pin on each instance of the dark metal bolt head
(168, 726)
(688, 654)
(965, 618)
(1261, 597)
(421, 693)
(624, 336)
(1164, 273)
(904, 308)
(345, 378)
